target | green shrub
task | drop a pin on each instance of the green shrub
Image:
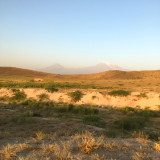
(76, 96)
(131, 123)
(84, 110)
(62, 108)
(18, 95)
(29, 101)
(76, 109)
(94, 97)
(112, 133)
(141, 112)
(48, 85)
(51, 89)
(43, 96)
(22, 119)
(154, 135)
(94, 120)
(119, 93)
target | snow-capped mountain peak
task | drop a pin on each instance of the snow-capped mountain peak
(101, 67)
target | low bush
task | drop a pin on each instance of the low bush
(154, 135)
(141, 112)
(94, 97)
(94, 120)
(51, 89)
(18, 95)
(43, 97)
(84, 110)
(131, 123)
(48, 108)
(75, 96)
(22, 119)
(119, 93)
(112, 133)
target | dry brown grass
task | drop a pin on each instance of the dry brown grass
(157, 146)
(88, 142)
(47, 148)
(138, 156)
(40, 135)
(112, 146)
(62, 151)
(8, 151)
(134, 80)
(140, 135)
(22, 146)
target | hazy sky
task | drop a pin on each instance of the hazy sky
(39, 33)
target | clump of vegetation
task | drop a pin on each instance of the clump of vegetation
(112, 133)
(141, 112)
(119, 93)
(131, 123)
(94, 97)
(22, 119)
(51, 89)
(76, 109)
(142, 95)
(88, 142)
(94, 120)
(43, 97)
(4, 98)
(157, 146)
(18, 95)
(141, 135)
(76, 96)
(153, 135)
(49, 108)
(49, 85)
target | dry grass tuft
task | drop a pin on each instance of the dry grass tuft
(138, 156)
(98, 157)
(139, 135)
(157, 146)
(21, 147)
(8, 152)
(62, 151)
(52, 137)
(112, 146)
(40, 135)
(47, 148)
(88, 142)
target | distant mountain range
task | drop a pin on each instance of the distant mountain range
(12, 73)
(101, 67)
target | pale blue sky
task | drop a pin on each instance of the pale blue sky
(74, 33)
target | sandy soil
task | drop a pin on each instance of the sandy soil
(94, 97)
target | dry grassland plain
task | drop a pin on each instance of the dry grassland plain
(113, 115)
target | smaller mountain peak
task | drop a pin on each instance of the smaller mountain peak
(57, 65)
(106, 63)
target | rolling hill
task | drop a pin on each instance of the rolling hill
(11, 72)
(115, 74)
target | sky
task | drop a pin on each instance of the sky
(76, 33)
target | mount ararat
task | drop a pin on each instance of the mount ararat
(101, 67)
